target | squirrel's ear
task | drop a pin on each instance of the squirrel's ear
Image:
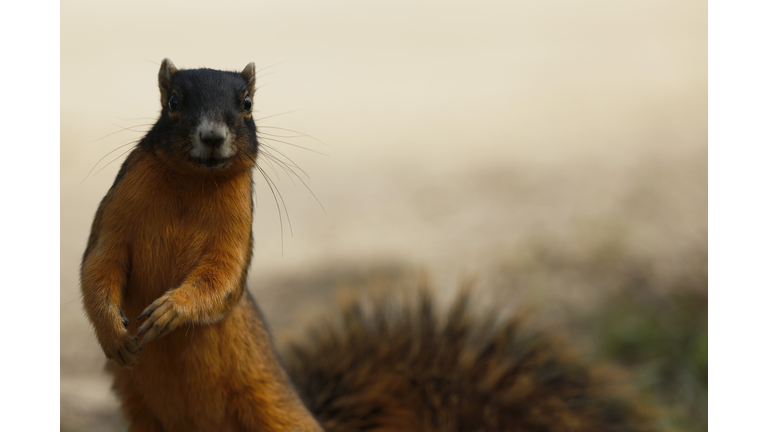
(167, 70)
(249, 73)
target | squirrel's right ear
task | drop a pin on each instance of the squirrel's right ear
(167, 70)
(249, 73)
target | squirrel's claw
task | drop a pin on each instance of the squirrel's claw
(162, 317)
(126, 354)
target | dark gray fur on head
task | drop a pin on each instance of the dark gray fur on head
(200, 96)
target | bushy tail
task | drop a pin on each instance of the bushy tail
(394, 364)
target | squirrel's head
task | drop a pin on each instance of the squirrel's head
(206, 123)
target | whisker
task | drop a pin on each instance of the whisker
(288, 167)
(122, 129)
(285, 166)
(275, 115)
(110, 162)
(295, 145)
(260, 77)
(279, 162)
(294, 131)
(267, 67)
(279, 136)
(268, 158)
(137, 118)
(279, 213)
(102, 158)
(243, 152)
(130, 128)
(292, 164)
(271, 183)
(313, 195)
(259, 87)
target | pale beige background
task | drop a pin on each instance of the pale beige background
(451, 133)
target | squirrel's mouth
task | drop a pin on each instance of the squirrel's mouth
(211, 162)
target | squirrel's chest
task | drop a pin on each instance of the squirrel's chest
(167, 244)
(171, 225)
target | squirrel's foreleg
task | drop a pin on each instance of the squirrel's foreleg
(103, 278)
(205, 297)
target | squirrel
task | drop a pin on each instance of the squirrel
(163, 279)
(170, 248)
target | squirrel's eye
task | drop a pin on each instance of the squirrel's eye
(247, 104)
(173, 103)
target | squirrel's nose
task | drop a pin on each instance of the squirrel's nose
(212, 138)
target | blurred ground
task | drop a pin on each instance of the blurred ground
(552, 150)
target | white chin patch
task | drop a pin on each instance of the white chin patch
(211, 139)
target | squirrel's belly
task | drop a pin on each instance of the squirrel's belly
(157, 266)
(183, 379)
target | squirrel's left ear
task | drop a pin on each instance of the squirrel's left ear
(249, 73)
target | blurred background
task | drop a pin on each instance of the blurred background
(554, 152)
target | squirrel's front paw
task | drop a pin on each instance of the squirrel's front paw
(162, 317)
(125, 352)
